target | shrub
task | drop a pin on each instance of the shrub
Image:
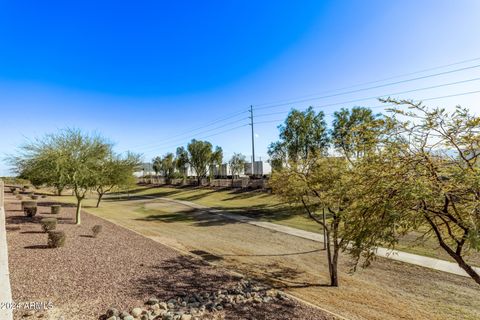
(48, 224)
(44, 196)
(15, 192)
(13, 189)
(56, 239)
(19, 197)
(30, 211)
(55, 209)
(29, 208)
(26, 187)
(96, 230)
(34, 197)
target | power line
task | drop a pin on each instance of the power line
(201, 132)
(205, 137)
(370, 88)
(386, 105)
(383, 95)
(372, 82)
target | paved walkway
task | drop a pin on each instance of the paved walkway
(406, 257)
(5, 290)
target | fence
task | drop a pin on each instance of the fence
(242, 183)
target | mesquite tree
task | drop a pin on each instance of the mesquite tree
(427, 178)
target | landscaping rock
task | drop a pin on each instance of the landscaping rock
(137, 312)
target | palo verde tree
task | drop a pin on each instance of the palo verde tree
(78, 157)
(237, 164)
(116, 171)
(37, 163)
(427, 179)
(320, 182)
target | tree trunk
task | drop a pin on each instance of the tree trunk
(79, 208)
(100, 195)
(59, 191)
(468, 269)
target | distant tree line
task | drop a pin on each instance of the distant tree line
(201, 157)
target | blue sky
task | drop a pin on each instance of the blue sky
(145, 73)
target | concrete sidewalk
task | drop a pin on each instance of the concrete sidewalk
(423, 261)
(5, 290)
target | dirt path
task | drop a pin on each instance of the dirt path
(388, 290)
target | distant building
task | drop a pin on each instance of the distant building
(260, 168)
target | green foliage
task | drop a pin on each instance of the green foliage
(115, 171)
(48, 224)
(302, 136)
(201, 156)
(426, 178)
(55, 209)
(355, 132)
(181, 161)
(237, 164)
(67, 158)
(56, 239)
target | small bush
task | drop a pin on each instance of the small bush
(19, 197)
(44, 196)
(30, 211)
(55, 209)
(13, 189)
(48, 224)
(34, 197)
(29, 208)
(15, 192)
(26, 187)
(96, 230)
(56, 239)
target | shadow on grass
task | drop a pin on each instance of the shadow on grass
(198, 217)
(86, 236)
(32, 232)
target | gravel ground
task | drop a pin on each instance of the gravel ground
(118, 268)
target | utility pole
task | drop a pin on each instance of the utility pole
(253, 141)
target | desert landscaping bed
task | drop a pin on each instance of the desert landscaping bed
(119, 269)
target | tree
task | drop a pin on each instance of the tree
(181, 161)
(200, 157)
(355, 131)
(303, 135)
(237, 164)
(116, 172)
(427, 179)
(216, 160)
(157, 165)
(38, 164)
(168, 166)
(321, 184)
(77, 157)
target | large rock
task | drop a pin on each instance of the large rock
(137, 312)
